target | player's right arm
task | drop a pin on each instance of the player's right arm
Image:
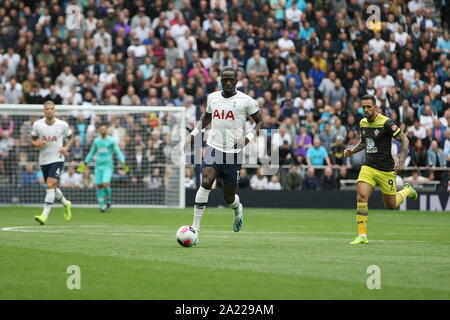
(88, 158)
(361, 145)
(34, 138)
(37, 143)
(204, 121)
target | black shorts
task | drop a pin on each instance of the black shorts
(52, 170)
(227, 165)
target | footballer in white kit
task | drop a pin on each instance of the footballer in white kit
(48, 135)
(227, 112)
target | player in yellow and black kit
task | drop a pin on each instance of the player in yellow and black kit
(379, 168)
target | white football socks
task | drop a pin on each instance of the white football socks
(201, 199)
(49, 200)
(60, 196)
(235, 204)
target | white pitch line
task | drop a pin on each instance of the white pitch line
(153, 233)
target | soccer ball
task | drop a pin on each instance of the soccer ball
(187, 236)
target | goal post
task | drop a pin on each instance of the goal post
(151, 138)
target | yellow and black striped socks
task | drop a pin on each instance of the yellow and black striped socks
(362, 214)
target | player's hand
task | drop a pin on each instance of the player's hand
(241, 143)
(347, 152)
(399, 167)
(63, 151)
(40, 143)
(81, 168)
(125, 168)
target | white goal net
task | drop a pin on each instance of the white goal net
(150, 138)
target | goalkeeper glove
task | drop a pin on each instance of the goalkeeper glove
(81, 168)
(125, 168)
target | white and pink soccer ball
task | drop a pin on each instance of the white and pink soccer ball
(187, 236)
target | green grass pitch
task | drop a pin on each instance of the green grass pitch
(280, 254)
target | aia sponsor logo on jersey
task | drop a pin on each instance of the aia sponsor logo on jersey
(223, 115)
(49, 138)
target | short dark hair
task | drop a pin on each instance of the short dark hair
(101, 124)
(369, 97)
(229, 69)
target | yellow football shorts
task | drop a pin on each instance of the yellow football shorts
(374, 177)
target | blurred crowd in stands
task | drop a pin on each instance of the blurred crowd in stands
(307, 63)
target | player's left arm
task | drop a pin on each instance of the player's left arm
(257, 118)
(253, 111)
(120, 156)
(404, 151)
(65, 150)
(69, 134)
(399, 136)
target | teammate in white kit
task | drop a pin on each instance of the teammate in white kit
(227, 111)
(48, 134)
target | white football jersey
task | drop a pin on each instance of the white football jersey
(228, 119)
(53, 135)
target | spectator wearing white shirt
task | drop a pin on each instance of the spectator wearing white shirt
(377, 45)
(284, 43)
(178, 30)
(61, 89)
(101, 36)
(414, 5)
(384, 81)
(207, 24)
(183, 42)
(12, 58)
(419, 16)
(401, 36)
(259, 181)
(141, 31)
(67, 77)
(219, 4)
(445, 119)
(190, 111)
(391, 24)
(428, 22)
(73, 97)
(293, 14)
(140, 18)
(137, 49)
(281, 136)
(45, 16)
(71, 179)
(13, 91)
(107, 76)
(408, 73)
(90, 22)
(427, 118)
(206, 60)
(274, 183)
(127, 99)
(434, 86)
(391, 44)
(171, 11)
(419, 130)
(327, 83)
